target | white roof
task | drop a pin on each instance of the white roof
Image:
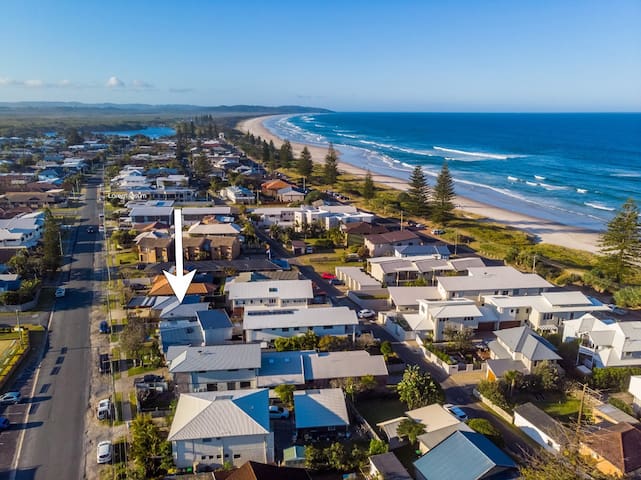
(215, 357)
(274, 210)
(320, 408)
(218, 210)
(283, 289)
(434, 417)
(359, 276)
(256, 318)
(493, 278)
(220, 414)
(405, 296)
(357, 363)
(213, 229)
(455, 310)
(548, 302)
(635, 386)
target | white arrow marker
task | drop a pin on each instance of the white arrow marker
(179, 283)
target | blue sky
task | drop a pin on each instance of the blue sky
(346, 55)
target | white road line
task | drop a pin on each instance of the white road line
(16, 458)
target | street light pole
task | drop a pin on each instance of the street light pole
(19, 328)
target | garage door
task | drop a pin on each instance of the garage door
(512, 324)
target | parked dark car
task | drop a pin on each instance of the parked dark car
(104, 327)
(104, 363)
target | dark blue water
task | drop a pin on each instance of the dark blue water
(576, 169)
(151, 132)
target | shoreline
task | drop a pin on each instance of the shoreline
(545, 231)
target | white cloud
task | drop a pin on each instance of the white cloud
(65, 83)
(141, 84)
(34, 83)
(114, 82)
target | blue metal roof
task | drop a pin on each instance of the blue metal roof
(465, 456)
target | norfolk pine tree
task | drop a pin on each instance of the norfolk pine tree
(304, 166)
(286, 154)
(330, 170)
(442, 196)
(418, 192)
(621, 242)
(368, 187)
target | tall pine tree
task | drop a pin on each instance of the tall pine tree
(368, 187)
(304, 166)
(443, 196)
(51, 243)
(285, 154)
(419, 193)
(621, 242)
(330, 170)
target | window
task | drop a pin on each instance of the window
(327, 327)
(231, 385)
(296, 329)
(206, 440)
(245, 384)
(236, 455)
(219, 456)
(273, 289)
(203, 457)
(511, 310)
(547, 316)
(505, 292)
(285, 329)
(518, 310)
(227, 455)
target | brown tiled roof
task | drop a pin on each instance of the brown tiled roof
(27, 196)
(150, 227)
(275, 185)
(193, 241)
(151, 242)
(363, 228)
(391, 237)
(262, 471)
(216, 241)
(620, 444)
(161, 287)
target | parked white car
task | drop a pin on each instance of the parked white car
(104, 452)
(366, 313)
(103, 410)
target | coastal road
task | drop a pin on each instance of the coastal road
(50, 436)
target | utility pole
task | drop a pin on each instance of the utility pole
(401, 220)
(19, 327)
(534, 263)
(578, 422)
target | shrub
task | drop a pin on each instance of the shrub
(494, 392)
(439, 353)
(621, 405)
(613, 378)
(628, 297)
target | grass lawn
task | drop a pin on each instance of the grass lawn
(126, 257)
(556, 405)
(407, 456)
(324, 262)
(133, 371)
(377, 410)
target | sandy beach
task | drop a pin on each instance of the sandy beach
(548, 232)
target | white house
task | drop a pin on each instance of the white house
(482, 281)
(605, 343)
(434, 316)
(22, 231)
(635, 390)
(271, 293)
(283, 216)
(540, 427)
(265, 324)
(213, 428)
(237, 194)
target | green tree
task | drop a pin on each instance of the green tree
(548, 376)
(266, 154)
(132, 340)
(51, 243)
(286, 393)
(621, 242)
(442, 204)
(286, 154)
(461, 339)
(514, 379)
(202, 167)
(305, 165)
(315, 458)
(481, 425)
(386, 349)
(330, 169)
(418, 193)
(337, 457)
(73, 137)
(410, 429)
(376, 447)
(368, 187)
(147, 446)
(418, 388)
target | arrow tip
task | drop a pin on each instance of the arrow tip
(179, 283)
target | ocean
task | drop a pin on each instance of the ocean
(574, 169)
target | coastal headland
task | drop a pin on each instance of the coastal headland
(545, 231)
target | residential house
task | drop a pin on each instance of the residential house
(290, 194)
(323, 367)
(214, 368)
(356, 279)
(176, 310)
(160, 287)
(519, 349)
(392, 270)
(270, 188)
(635, 390)
(283, 216)
(320, 413)
(9, 282)
(384, 243)
(195, 214)
(210, 327)
(196, 248)
(22, 231)
(265, 324)
(224, 248)
(239, 195)
(435, 316)
(153, 211)
(272, 293)
(387, 466)
(406, 299)
(483, 281)
(434, 250)
(540, 427)
(33, 200)
(465, 456)
(615, 449)
(330, 216)
(261, 471)
(200, 229)
(214, 428)
(154, 247)
(547, 311)
(605, 343)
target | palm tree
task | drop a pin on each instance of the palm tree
(410, 429)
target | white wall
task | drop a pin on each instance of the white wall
(537, 435)
(258, 448)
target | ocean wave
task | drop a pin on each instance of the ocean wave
(626, 174)
(581, 190)
(513, 179)
(533, 184)
(346, 135)
(492, 156)
(598, 206)
(539, 177)
(552, 187)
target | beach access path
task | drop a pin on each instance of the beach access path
(545, 231)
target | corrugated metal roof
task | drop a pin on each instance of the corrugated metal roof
(256, 318)
(217, 357)
(462, 456)
(220, 414)
(283, 289)
(357, 363)
(320, 408)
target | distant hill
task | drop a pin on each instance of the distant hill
(78, 108)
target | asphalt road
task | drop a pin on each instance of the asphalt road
(48, 426)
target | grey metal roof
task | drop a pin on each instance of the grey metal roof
(409, 296)
(320, 408)
(212, 319)
(493, 278)
(217, 357)
(541, 420)
(255, 318)
(357, 363)
(220, 414)
(281, 368)
(283, 289)
(389, 466)
(432, 439)
(182, 310)
(463, 456)
(531, 345)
